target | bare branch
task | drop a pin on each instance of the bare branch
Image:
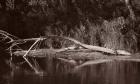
(90, 47)
(5, 35)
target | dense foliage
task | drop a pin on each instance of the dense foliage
(107, 23)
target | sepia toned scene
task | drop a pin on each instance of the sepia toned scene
(69, 41)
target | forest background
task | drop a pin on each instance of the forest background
(107, 23)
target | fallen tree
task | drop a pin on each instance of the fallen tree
(85, 46)
(78, 51)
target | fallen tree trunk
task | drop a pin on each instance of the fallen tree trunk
(90, 47)
(59, 53)
(41, 52)
(87, 52)
(82, 54)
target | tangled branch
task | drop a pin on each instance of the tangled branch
(42, 52)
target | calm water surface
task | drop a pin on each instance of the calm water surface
(106, 73)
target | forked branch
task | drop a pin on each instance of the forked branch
(5, 35)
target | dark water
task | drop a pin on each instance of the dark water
(117, 72)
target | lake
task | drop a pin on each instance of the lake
(116, 72)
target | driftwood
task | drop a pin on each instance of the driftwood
(60, 53)
(85, 46)
(16, 41)
(73, 54)
(70, 54)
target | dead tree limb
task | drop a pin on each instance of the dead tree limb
(90, 47)
(88, 51)
(5, 35)
(24, 56)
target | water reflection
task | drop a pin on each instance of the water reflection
(106, 73)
